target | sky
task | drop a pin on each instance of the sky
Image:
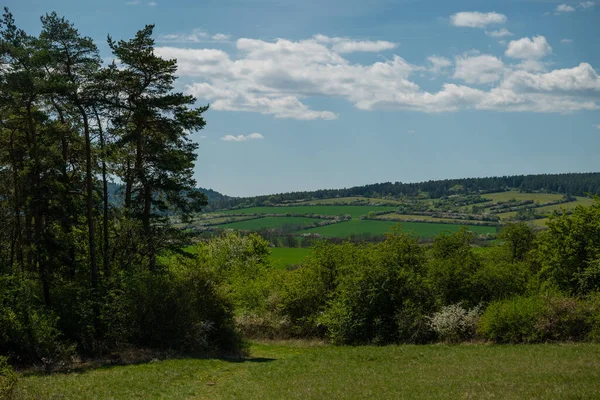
(337, 93)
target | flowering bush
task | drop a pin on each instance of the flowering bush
(454, 323)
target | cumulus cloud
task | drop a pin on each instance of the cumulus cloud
(479, 69)
(242, 138)
(475, 19)
(438, 64)
(499, 33)
(345, 45)
(279, 77)
(196, 36)
(587, 4)
(220, 37)
(528, 49)
(564, 8)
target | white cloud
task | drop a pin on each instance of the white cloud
(411, 132)
(475, 19)
(197, 36)
(202, 137)
(220, 37)
(597, 126)
(499, 33)
(528, 49)
(479, 69)
(133, 2)
(587, 4)
(566, 41)
(345, 45)
(438, 64)
(563, 8)
(279, 78)
(242, 138)
(580, 79)
(152, 4)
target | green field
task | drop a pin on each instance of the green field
(283, 257)
(304, 370)
(426, 229)
(269, 222)
(354, 211)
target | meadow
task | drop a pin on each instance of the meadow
(283, 257)
(375, 227)
(312, 370)
(269, 222)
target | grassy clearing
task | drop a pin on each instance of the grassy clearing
(269, 222)
(513, 194)
(373, 227)
(354, 211)
(300, 370)
(283, 257)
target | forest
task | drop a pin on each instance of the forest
(84, 277)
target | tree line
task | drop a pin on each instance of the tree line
(572, 184)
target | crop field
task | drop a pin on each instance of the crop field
(308, 370)
(283, 257)
(404, 217)
(354, 211)
(269, 222)
(581, 201)
(373, 227)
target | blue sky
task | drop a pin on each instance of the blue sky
(326, 94)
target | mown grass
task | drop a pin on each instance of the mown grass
(300, 370)
(374, 227)
(354, 211)
(269, 222)
(283, 257)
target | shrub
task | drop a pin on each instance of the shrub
(28, 331)
(8, 379)
(454, 323)
(511, 321)
(546, 317)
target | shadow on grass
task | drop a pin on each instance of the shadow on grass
(117, 361)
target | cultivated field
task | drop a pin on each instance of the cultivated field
(269, 222)
(305, 370)
(354, 211)
(373, 227)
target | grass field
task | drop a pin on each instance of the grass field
(268, 222)
(300, 370)
(426, 229)
(283, 257)
(354, 211)
(401, 217)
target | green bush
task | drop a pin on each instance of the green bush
(511, 321)
(380, 296)
(8, 379)
(455, 323)
(28, 330)
(545, 317)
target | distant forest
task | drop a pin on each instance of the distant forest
(574, 184)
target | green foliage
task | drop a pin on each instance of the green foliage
(518, 239)
(8, 379)
(452, 268)
(545, 317)
(567, 252)
(28, 331)
(512, 321)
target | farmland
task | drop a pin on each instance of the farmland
(344, 229)
(353, 211)
(269, 222)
